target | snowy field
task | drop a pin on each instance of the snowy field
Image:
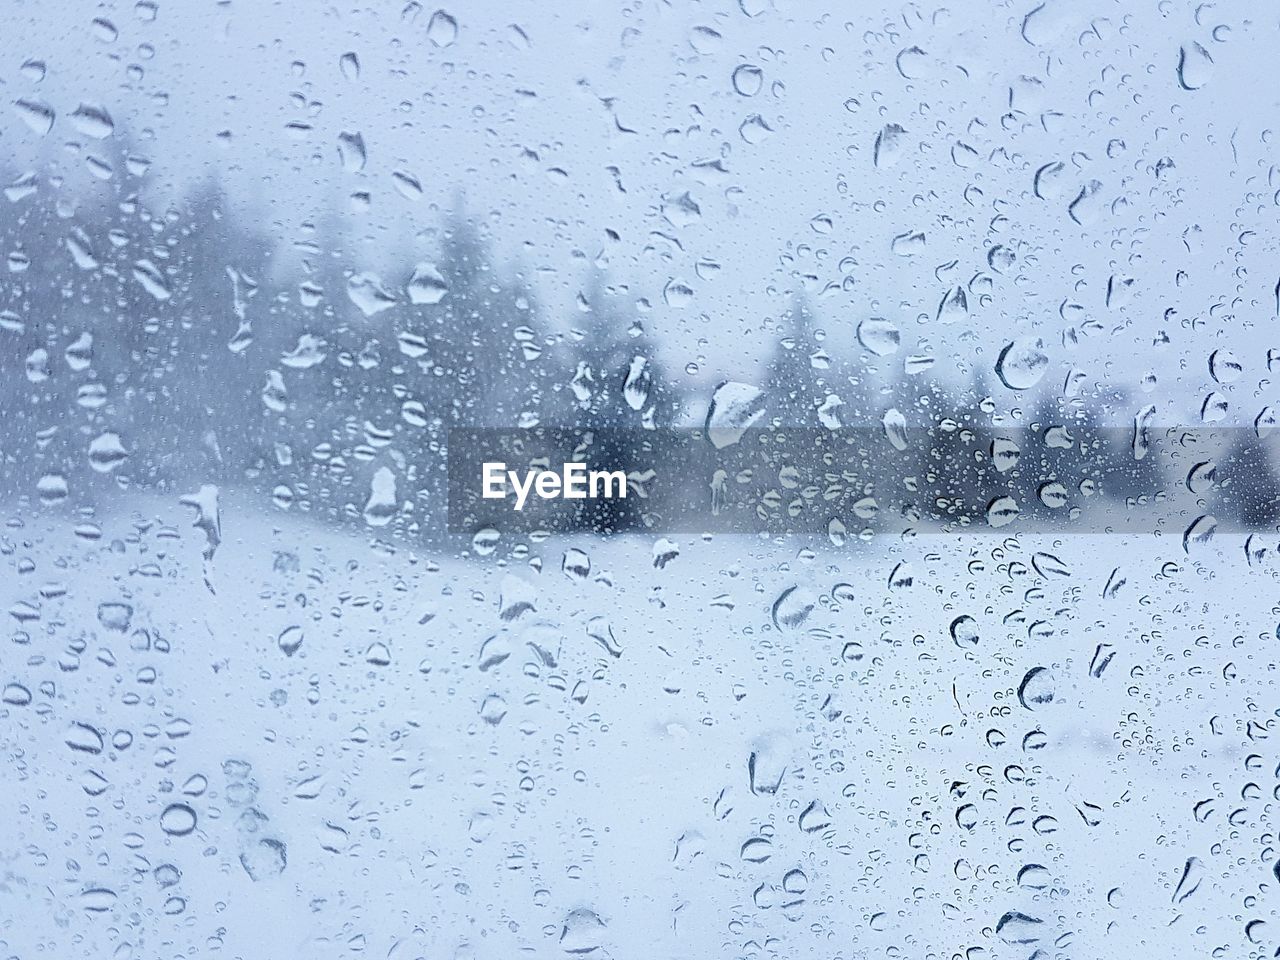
(340, 746)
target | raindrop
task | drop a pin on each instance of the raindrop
(152, 280)
(381, 506)
(264, 860)
(52, 489)
(426, 285)
(1016, 927)
(93, 121)
(15, 695)
(913, 63)
(1022, 363)
(681, 210)
(442, 29)
(1224, 367)
(582, 932)
(664, 551)
(1195, 66)
(888, 146)
(954, 306)
(1192, 876)
(1002, 511)
(516, 597)
(705, 40)
(792, 608)
(735, 408)
(178, 820)
(115, 616)
(36, 114)
(289, 640)
(351, 152)
(575, 564)
(98, 899)
(636, 384)
(485, 541)
(1037, 688)
(85, 739)
(1199, 533)
(748, 79)
(365, 290)
(964, 632)
(754, 129)
(879, 336)
(407, 185)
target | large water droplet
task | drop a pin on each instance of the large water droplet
(1022, 363)
(365, 290)
(178, 820)
(426, 285)
(879, 336)
(1037, 688)
(152, 280)
(735, 408)
(36, 114)
(1195, 66)
(442, 29)
(748, 79)
(93, 121)
(264, 859)
(381, 505)
(106, 452)
(889, 145)
(290, 640)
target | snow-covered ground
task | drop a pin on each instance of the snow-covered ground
(340, 745)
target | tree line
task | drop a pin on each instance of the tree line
(217, 351)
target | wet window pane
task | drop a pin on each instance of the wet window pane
(752, 479)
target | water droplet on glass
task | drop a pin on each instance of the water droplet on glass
(889, 145)
(964, 632)
(1022, 363)
(582, 932)
(754, 129)
(1037, 688)
(36, 114)
(106, 452)
(152, 280)
(98, 899)
(735, 408)
(748, 79)
(93, 121)
(1195, 66)
(264, 859)
(792, 608)
(115, 615)
(1002, 511)
(365, 290)
(351, 152)
(382, 505)
(575, 564)
(442, 29)
(705, 40)
(637, 383)
(426, 285)
(178, 820)
(879, 336)
(289, 640)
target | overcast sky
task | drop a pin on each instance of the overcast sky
(731, 147)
